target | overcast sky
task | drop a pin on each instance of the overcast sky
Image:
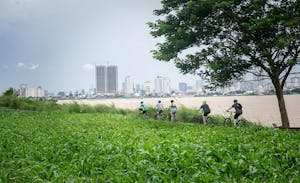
(55, 43)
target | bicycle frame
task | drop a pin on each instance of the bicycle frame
(159, 116)
(207, 118)
(230, 121)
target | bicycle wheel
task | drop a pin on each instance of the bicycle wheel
(227, 122)
(240, 123)
(160, 117)
(208, 120)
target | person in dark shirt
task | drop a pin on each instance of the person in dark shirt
(205, 109)
(238, 109)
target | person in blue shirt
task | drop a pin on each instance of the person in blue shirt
(173, 110)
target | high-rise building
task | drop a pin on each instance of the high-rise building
(128, 85)
(162, 85)
(101, 79)
(106, 79)
(137, 88)
(22, 90)
(182, 87)
(112, 79)
(147, 87)
(34, 92)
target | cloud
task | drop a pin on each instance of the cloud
(20, 64)
(28, 66)
(33, 66)
(88, 67)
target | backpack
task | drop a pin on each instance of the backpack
(239, 108)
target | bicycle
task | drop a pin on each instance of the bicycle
(173, 117)
(230, 121)
(208, 119)
(143, 113)
(159, 115)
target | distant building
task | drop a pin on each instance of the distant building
(295, 82)
(22, 91)
(162, 85)
(112, 79)
(32, 92)
(61, 94)
(199, 85)
(137, 88)
(128, 87)
(101, 79)
(190, 88)
(147, 87)
(106, 79)
(182, 87)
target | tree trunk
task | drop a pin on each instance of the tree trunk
(281, 103)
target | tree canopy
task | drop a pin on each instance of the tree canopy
(221, 40)
(233, 36)
(10, 92)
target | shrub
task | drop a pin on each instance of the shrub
(100, 108)
(188, 115)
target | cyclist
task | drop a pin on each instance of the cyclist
(159, 108)
(173, 110)
(238, 110)
(205, 109)
(143, 108)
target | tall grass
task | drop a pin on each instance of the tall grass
(14, 102)
(189, 115)
(184, 114)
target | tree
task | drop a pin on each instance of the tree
(10, 92)
(222, 40)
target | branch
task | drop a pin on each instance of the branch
(258, 74)
(286, 76)
(276, 55)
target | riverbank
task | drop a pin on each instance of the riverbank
(263, 110)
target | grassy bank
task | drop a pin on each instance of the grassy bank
(64, 147)
(184, 114)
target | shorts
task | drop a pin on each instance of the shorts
(206, 113)
(236, 115)
(160, 111)
(144, 112)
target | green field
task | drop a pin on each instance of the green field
(63, 147)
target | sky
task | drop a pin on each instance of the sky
(56, 43)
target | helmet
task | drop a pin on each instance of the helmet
(204, 102)
(159, 101)
(142, 102)
(235, 100)
(172, 101)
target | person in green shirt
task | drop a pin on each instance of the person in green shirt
(144, 109)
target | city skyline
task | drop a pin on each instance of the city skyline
(56, 44)
(159, 87)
